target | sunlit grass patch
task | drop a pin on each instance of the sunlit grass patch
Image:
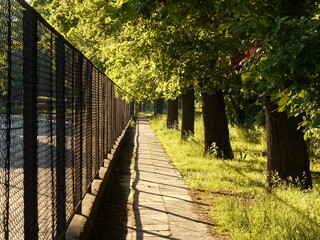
(219, 174)
(282, 214)
(241, 203)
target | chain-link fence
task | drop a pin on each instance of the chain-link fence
(59, 118)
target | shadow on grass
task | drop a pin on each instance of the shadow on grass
(315, 177)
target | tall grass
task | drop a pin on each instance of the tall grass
(241, 203)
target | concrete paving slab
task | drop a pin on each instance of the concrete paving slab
(177, 197)
(156, 227)
(156, 217)
(184, 235)
(162, 206)
(159, 208)
(142, 234)
(156, 238)
(151, 221)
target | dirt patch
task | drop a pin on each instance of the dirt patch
(203, 211)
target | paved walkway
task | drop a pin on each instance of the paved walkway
(161, 203)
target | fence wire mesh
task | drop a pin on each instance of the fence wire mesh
(59, 118)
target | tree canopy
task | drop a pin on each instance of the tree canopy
(167, 46)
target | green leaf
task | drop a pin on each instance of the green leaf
(316, 122)
(264, 21)
(278, 25)
(177, 18)
(163, 14)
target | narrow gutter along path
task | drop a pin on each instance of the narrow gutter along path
(162, 207)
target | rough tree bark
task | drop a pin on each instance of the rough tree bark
(172, 114)
(158, 106)
(287, 154)
(187, 125)
(215, 124)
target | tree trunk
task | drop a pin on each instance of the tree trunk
(239, 115)
(158, 107)
(140, 107)
(287, 154)
(144, 106)
(187, 127)
(172, 114)
(215, 124)
(132, 109)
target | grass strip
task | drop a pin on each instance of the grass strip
(241, 203)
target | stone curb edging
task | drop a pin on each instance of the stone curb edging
(131, 235)
(81, 224)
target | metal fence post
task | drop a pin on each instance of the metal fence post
(30, 125)
(61, 140)
(7, 157)
(88, 127)
(78, 179)
(109, 119)
(113, 115)
(105, 117)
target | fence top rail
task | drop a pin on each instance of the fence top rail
(43, 21)
(53, 30)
